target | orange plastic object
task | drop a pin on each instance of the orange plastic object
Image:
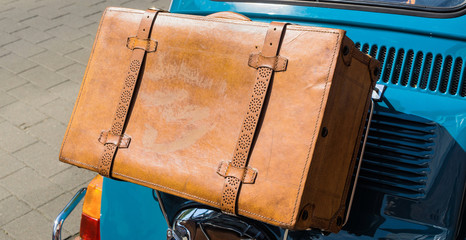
(90, 218)
(91, 206)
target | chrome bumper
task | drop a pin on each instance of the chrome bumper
(58, 223)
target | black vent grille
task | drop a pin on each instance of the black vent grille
(398, 154)
(455, 80)
(426, 71)
(407, 68)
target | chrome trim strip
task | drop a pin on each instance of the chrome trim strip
(285, 234)
(360, 161)
(58, 223)
(162, 207)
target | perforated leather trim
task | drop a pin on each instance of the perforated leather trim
(232, 184)
(137, 56)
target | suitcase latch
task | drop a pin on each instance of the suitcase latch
(245, 175)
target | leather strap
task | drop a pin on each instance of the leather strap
(119, 120)
(232, 184)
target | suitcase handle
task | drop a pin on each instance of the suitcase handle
(229, 15)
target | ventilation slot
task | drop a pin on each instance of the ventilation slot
(455, 79)
(426, 71)
(445, 74)
(373, 51)
(388, 65)
(357, 45)
(382, 54)
(463, 85)
(436, 72)
(398, 65)
(398, 154)
(365, 48)
(407, 68)
(417, 69)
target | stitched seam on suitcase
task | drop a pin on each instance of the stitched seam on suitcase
(270, 219)
(160, 186)
(80, 163)
(196, 197)
(245, 23)
(315, 129)
(229, 21)
(83, 85)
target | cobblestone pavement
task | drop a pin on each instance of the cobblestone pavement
(44, 48)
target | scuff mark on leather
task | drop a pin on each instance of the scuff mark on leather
(191, 113)
(183, 141)
(188, 74)
(164, 97)
(287, 42)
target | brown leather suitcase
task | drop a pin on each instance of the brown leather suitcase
(262, 120)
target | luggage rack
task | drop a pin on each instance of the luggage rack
(60, 219)
(377, 94)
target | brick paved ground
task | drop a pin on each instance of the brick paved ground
(44, 47)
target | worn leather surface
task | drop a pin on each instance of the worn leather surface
(189, 107)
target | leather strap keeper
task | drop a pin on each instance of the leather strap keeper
(147, 45)
(120, 141)
(244, 174)
(276, 63)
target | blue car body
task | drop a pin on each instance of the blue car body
(412, 182)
